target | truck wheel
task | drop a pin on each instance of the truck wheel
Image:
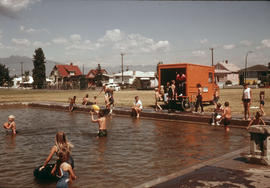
(186, 105)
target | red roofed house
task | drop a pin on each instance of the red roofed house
(66, 76)
(91, 76)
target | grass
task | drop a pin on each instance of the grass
(126, 97)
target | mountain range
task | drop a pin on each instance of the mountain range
(16, 63)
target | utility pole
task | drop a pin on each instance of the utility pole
(246, 66)
(122, 56)
(212, 51)
(21, 68)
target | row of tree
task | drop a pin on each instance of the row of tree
(39, 71)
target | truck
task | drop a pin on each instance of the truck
(193, 74)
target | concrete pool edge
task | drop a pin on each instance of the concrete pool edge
(191, 169)
(147, 113)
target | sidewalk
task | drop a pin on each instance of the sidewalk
(229, 170)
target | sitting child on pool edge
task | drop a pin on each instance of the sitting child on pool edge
(10, 124)
(101, 120)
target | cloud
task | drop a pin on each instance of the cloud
(139, 43)
(86, 45)
(9, 8)
(60, 40)
(229, 46)
(203, 41)
(246, 42)
(32, 30)
(112, 36)
(41, 44)
(199, 53)
(23, 42)
(266, 43)
(76, 38)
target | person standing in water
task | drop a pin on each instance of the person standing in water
(61, 142)
(72, 102)
(227, 116)
(64, 169)
(10, 124)
(101, 120)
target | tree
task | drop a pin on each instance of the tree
(4, 75)
(39, 71)
(98, 77)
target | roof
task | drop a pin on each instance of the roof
(64, 70)
(256, 68)
(227, 66)
(136, 74)
(94, 73)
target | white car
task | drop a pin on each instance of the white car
(114, 87)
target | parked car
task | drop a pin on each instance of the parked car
(113, 86)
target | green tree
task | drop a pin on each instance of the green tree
(4, 75)
(39, 71)
(98, 77)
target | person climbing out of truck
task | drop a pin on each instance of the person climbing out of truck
(199, 98)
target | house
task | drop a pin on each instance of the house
(225, 71)
(92, 74)
(143, 79)
(66, 76)
(254, 75)
(25, 81)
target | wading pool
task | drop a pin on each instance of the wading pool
(135, 150)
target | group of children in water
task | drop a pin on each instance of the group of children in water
(63, 168)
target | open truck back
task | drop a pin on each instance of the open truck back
(194, 74)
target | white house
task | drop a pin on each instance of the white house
(22, 81)
(225, 71)
(130, 76)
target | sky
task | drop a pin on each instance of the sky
(88, 32)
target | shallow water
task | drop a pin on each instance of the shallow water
(135, 151)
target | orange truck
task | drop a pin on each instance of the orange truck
(193, 74)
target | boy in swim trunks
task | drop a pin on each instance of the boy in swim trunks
(101, 120)
(227, 116)
(10, 124)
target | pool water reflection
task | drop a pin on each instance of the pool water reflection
(135, 150)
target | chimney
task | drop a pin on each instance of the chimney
(71, 63)
(134, 73)
(226, 61)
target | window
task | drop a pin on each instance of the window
(210, 78)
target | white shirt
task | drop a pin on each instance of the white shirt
(247, 93)
(139, 103)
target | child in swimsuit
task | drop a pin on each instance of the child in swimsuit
(257, 120)
(10, 124)
(216, 115)
(101, 122)
(72, 103)
(66, 174)
(227, 116)
(262, 102)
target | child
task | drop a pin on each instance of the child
(10, 124)
(137, 107)
(216, 115)
(95, 100)
(72, 103)
(262, 102)
(227, 116)
(85, 100)
(256, 120)
(157, 98)
(101, 122)
(64, 169)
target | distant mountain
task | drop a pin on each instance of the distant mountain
(14, 64)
